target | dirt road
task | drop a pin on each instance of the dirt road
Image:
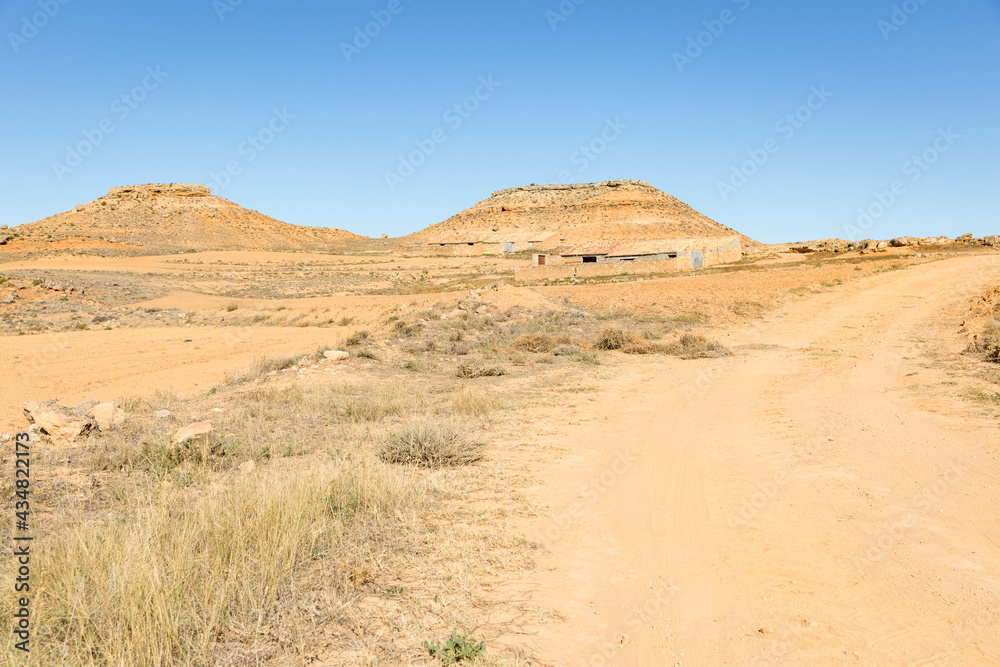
(823, 498)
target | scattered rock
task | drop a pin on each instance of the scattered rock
(163, 414)
(60, 421)
(107, 415)
(385, 236)
(190, 432)
(337, 355)
(964, 238)
(9, 297)
(248, 468)
(6, 437)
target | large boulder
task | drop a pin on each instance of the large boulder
(61, 422)
(337, 355)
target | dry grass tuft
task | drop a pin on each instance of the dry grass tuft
(614, 339)
(535, 342)
(431, 445)
(261, 367)
(691, 346)
(480, 369)
(472, 403)
(177, 576)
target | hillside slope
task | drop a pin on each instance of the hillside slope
(176, 216)
(570, 214)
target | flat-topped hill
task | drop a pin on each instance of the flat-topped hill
(177, 216)
(569, 214)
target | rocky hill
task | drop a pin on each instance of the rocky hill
(570, 214)
(174, 217)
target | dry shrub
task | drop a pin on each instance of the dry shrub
(180, 572)
(614, 339)
(566, 350)
(640, 347)
(356, 338)
(431, 445)
(480, 369)
(989, 342)
(691, 346)
(534, 342)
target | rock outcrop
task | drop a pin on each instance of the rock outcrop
(61, 422)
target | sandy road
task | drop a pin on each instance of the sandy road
(80, 365)
(820, 499)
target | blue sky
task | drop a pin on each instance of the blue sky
(692, 97)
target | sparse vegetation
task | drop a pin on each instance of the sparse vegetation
(431, 445)
(176, 573)
(232, 307)
(356, 338)
(691, 346)
(459, 648)
(480, 369)
(261, 367)
(614, 339)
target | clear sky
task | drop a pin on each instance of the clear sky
(292, 110)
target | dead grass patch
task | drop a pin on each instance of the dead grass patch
(431, 445)
(176, 577)
(479, 369)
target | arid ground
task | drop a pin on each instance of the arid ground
(789, 460)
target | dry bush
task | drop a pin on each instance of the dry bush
(480, 369)
(697, 347)
(566, 350)
(431, 445)
(534, 342)
(614, 339)
(988, 342)
(356, 338)
(178, 573)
